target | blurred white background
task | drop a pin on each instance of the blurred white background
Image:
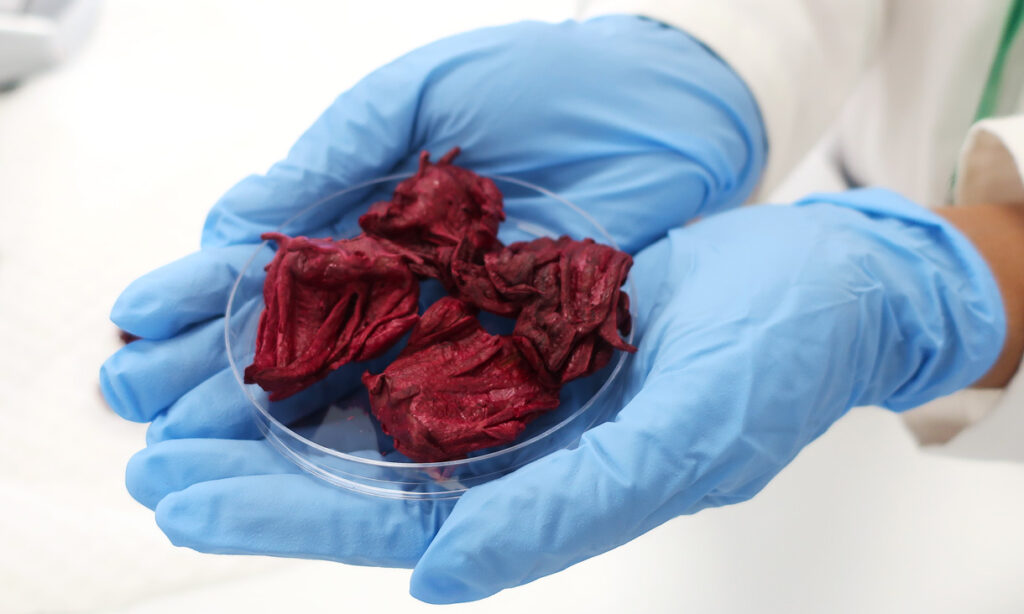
(107, 167)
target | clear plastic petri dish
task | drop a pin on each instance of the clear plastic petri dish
(328, 429)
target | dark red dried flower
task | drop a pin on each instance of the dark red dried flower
(578, 310)
(567, 297)
(456, 388)
(440, 213)
(472, 283)
(328, 303)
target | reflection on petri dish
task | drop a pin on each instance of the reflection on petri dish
(329, 430)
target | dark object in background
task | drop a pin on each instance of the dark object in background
(126, 337)
(328, 303)
(456, 388)
(38, 34)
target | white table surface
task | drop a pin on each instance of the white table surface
(107, 166)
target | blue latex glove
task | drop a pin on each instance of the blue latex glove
(634, 121)
(758, 328)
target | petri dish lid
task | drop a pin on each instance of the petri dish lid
(328, 429)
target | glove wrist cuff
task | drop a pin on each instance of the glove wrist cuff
(940, 314)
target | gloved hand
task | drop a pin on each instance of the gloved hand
(757, 329)
(634, 121)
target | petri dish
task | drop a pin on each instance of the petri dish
(328, 429)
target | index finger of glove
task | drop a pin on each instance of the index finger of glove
(193, 289)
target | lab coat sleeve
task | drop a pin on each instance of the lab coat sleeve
(986, 424)
(800, 58)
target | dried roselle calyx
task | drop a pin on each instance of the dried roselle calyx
(328, 303)
(472, 283)
(573, 308)
(441, 212)
(456, 388)
(510, 277)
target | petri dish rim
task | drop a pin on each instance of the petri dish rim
(620, 357)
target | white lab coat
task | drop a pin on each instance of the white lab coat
(889, 90)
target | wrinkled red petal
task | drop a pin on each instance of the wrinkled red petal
(567, 296)
(441, 211)
(328, 303)
(472, 284)
(456, 388)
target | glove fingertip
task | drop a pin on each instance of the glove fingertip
(439, 586)
(180, 519)
(135, 313)
(157, 431)
(118, 396)
(138, 479)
